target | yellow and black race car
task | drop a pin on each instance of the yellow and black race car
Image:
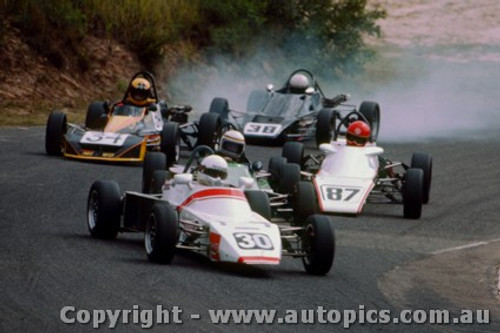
(124, 131)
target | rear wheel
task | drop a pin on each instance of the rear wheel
(325, 126)
(371, 111)
(152, 161)
(104, 207)
(275, 168)
(161, 234)
(294, 153)
(259, 203)
(413, 193)
(220, 106)
(94, 118)
(208, 129)
(54, 133)
(158, 180)
(318, 243)
(171, 142)
(424, 161)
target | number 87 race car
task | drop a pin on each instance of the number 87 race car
(224, 223)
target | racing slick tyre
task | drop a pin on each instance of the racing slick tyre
(325, 126)
(318, 243)
(424, 161)
(371, 111)
(275, 168)
(94, 118)
(413, 193)
(158, 180)
(171, 142)
(294, 153)
(54, 133)
(152, 161)
(220, 106)
(257, 100)
(259, 203)
(290, 176)
(160, 238)
(208, 129)
(104, 209)
(303, 201)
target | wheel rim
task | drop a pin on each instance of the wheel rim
(307, 243)
(177, 149)
(150, 236)
(93, 210)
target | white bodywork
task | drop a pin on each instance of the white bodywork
(220, 219)
(346, 177)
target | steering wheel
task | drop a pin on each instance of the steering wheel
(197, 154)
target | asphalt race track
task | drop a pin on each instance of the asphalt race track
(449, 259)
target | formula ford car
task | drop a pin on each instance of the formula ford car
(346, 177)
(296, 111)
(124, 132)
(225, 223)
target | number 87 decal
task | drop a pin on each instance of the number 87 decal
(338, 193)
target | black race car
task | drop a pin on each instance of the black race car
(297, 111)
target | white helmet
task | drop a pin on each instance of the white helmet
(212, 170)
(232, 144)
(298, 83)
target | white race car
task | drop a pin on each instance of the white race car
(346, 177)
(225, 223)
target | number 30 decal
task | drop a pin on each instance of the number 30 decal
(337, 193)
(248, 241)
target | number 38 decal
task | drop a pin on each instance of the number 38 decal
(261, 129)
(249, 241)
(339, 193)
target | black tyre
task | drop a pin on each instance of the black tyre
(371, 111)
(95, 115)
(424, 161)
(220, 106)
(325, 126)
(413, 193)
(171, 142)
(161, 234)
(104, 209)
(158, 180)
(290, 176)
(318, 243)
(303, 201)
(275, 168)
(152, 161)
(259, 203)
(294, 153)
(54, 133)
(257, 100)
(208, 129)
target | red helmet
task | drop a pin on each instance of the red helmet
(358, 133)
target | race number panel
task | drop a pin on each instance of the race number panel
(262, 129)
(339, 193)
(104, 138)
(252, 241)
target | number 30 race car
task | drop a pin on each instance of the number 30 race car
(123, 132)
(224, 223)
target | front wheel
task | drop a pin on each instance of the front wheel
(294, 153)
(171, 142)
(424, 161)
(208, 129)
(104, 209)
(371, 111)
(220, 106)
(413, 193)
(318, 243)
(259, 203)
(303, 201)
(325, 126)
(54, 133)
(161, 234)
(152, 161)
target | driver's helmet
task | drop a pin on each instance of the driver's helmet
(139, 92)
(298, 83)
(358, 133)
(232, 144)
(212, 170)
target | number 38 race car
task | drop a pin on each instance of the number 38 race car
(124, 131)
(223, 222)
